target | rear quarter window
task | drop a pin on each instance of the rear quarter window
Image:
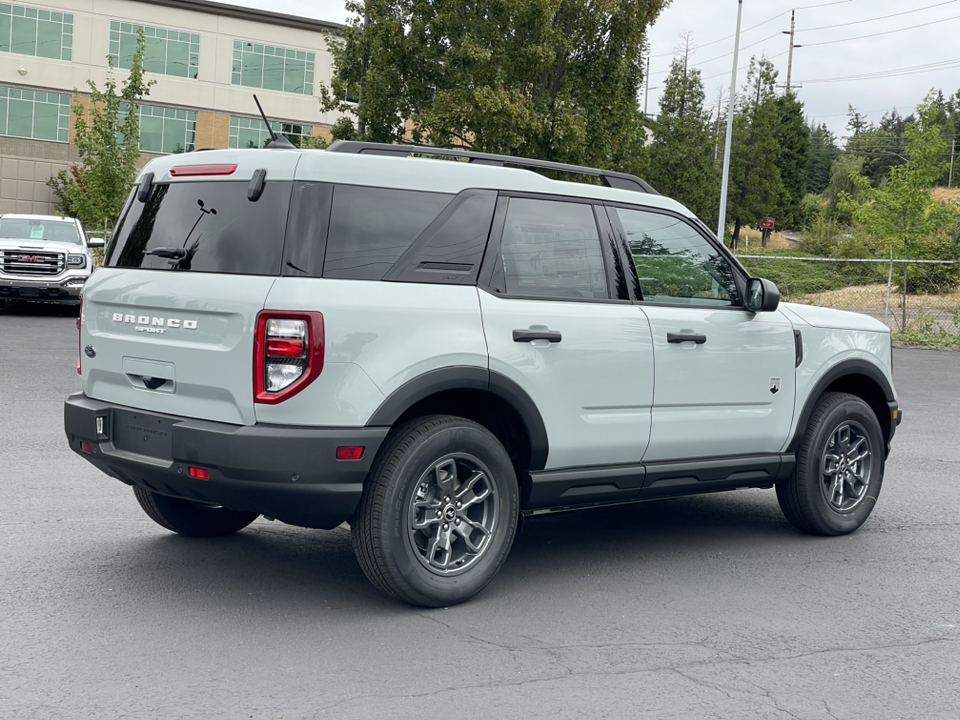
(211, 225)
(370, 228)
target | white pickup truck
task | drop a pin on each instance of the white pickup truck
(44, 258)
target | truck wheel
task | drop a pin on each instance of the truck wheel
(190, 518)
(438, 513)
(839, 468)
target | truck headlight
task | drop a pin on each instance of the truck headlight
(77, 261)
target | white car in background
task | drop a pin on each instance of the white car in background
(44, 258)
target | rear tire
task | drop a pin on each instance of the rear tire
(839, 468)
(439, 512)
(189, 518)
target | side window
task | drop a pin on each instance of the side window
(675, 263)
(552, 249)
(370, 228)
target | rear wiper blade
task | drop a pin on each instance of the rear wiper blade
(172, 253)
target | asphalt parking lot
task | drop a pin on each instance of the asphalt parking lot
(710, 607)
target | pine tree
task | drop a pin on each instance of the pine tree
(823, 153)
(793, 136)
(681, 162)
(755, 183)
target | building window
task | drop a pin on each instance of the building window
(168, 52)
(34, 115)
(273, 68)
(167, 130)
(250, 133)
(41, 33)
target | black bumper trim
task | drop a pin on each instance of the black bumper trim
(287, 473)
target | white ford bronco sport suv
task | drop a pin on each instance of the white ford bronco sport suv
(431, 350)
(44, 258)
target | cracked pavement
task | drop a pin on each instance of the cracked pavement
(709, 607)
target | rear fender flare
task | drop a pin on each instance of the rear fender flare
(468, 378)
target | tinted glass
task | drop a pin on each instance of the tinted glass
(37, 229)
(168, 51)
(675, 263)
(273, 68)
(370, 228)
(450, 250)
(34, 114)
(552, 249)
(211, 225)
(32, 31)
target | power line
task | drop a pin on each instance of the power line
(895, 72)
(720, 57)
(770, 20)
(886, 32)
(882, 17)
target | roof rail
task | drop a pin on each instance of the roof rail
(610, 178)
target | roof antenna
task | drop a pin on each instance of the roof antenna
(277, 142)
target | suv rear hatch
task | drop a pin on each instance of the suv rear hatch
(168, 324)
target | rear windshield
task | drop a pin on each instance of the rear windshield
(39, 229)
(204, 227)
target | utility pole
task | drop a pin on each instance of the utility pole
(361, 126)
(725, 186)
(792, 34)
(646, 89)
(953, 156)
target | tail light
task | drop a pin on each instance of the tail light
(80, 338)
(287, 354)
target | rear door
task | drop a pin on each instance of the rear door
(168, 324)
(559, 324)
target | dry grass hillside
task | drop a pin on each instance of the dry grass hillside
(777, 241)
(947, 196)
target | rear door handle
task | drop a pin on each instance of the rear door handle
(528, 335)
(686, 337)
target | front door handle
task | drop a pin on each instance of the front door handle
(528, 335)
(686, 337)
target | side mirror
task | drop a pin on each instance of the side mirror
(95, 242)
(762, 295)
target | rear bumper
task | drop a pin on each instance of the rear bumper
(64, 289)
(287, 473)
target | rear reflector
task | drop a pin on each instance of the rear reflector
(86, 447)
(349, 453)
(199, 473)
(195, 170)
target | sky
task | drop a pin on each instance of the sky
(842, 39)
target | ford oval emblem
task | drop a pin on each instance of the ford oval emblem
(89, 351)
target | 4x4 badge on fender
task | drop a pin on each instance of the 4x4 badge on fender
(774, 385)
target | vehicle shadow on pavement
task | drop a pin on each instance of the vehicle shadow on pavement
(272, 568)
(36, 309)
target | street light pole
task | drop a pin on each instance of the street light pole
(725, 186)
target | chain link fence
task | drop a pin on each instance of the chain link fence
(908, 295)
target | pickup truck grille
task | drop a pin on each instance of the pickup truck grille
(32, 262)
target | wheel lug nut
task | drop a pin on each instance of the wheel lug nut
(459, 504)
(446, 499)
(439, 514)
(446, 526)
(457, 521)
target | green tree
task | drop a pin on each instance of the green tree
(755, 183)
(109, 146)
(823, 153)
(902, 212)
(552, 79)
(681, 163)
(793, 137)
